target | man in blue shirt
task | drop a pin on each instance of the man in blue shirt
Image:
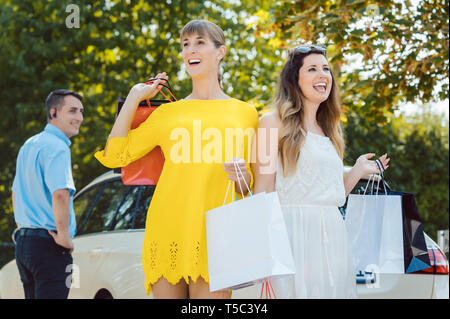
(42, 196)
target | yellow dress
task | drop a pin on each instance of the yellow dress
(196, 137)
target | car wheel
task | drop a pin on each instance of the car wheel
(103, 294)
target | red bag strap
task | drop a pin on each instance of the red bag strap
(166, 85)
(270, 293)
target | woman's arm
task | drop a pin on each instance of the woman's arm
(265, 152)
(264, 158)
(235, 172)
(138, 92)
(362, 167)
(351, 179)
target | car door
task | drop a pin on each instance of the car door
(83, 265)
(107, 256)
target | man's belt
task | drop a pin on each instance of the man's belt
(34, 232)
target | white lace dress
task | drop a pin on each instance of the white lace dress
(316, 229)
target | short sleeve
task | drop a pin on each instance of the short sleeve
(14, 185)
(15, 181)
(121, 151)
(58, 172)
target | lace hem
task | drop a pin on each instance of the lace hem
(173, 279)
(174, 260)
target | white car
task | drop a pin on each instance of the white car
(108, 250)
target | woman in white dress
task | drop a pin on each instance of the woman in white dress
(299, 148)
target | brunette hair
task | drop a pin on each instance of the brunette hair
(289, 105)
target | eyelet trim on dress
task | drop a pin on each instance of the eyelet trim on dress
(196, 253)
(153, 252)
(174, 261)
(173, 249)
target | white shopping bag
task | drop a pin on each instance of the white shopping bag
(375, 231)
(247, 242)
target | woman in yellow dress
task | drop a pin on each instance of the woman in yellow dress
(198, 135)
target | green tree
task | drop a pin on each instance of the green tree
(118, 44)
(384, 52)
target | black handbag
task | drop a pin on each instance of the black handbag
(415, 250)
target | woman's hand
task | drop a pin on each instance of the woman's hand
(363, 167)
(142, 91)
(138, 92)
(366, 166)
(235, 175)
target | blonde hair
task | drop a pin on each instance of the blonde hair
(288, 103)
(205, 28)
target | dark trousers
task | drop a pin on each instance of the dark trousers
(45, 267)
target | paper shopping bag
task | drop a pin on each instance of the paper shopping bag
(385, 231)
(247, 242)
(147, 169)
(374, 226)
(415, 252)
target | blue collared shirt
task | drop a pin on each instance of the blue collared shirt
(43, 166)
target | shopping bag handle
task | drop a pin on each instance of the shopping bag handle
(368, 183)
(381, 168)
(372, 179)
(167, 86)
(237, 168)
(268, 285)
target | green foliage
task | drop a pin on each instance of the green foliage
(118, 44)
(384, 52)
(403, 54)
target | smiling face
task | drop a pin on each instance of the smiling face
(69, 116)
(201, 56)
(314, 78)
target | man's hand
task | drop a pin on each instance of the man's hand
(60, 203)
(63, 240)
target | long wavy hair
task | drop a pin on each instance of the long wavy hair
(290, 108)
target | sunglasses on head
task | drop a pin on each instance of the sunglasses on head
(310, 48)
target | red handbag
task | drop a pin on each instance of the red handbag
(147, 169)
